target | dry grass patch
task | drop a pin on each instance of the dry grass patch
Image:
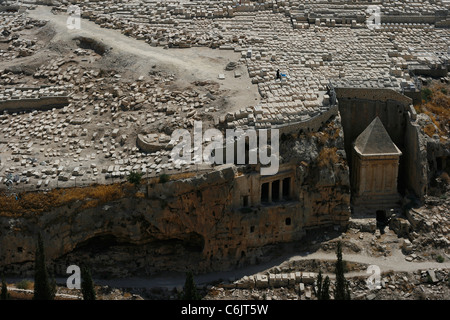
(327, 156)
(437, 107)
(40, 202)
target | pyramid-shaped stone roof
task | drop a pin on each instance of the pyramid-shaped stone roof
(375, 140)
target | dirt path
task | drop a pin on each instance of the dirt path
(176, 279)
(396, 262)
(188, 64)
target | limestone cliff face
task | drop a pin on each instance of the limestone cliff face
(322, 175)
(191, 224)
(429, 157)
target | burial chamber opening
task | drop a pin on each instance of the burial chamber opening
(110, 256)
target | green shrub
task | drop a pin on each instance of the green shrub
(440, 259)
(164, 178)
(426, 94)
(24, 284)
(135, 178)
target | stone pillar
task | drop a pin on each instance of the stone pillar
(280, 190)
(386, 177)
(373, 180)
(270, 191)
(362, 178)
(390, 182)
(394, 182)
(356, 177)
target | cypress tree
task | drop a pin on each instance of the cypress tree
(43, 290)
(52, 287)
(340, 292)
(347, 290)
(323, 287)
(326, 289)
(319, 285)
(190, 289)
(87, 285)
(4, 295)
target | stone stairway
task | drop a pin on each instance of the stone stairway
(371, 204)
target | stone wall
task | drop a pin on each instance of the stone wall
(407, 19)
(310, 125)
(147, 146)
(443, 23)
(436, 72)
(44, 103)
(9, 8)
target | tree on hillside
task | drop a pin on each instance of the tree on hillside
(190, 289)
(87, 285)
(4, 295)
(164, 178)
(347, 290)
(52, 286)
(135, 178)
(319, 285)
(326, 289)
(342, 291)
(323, 287)
(43, 289)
